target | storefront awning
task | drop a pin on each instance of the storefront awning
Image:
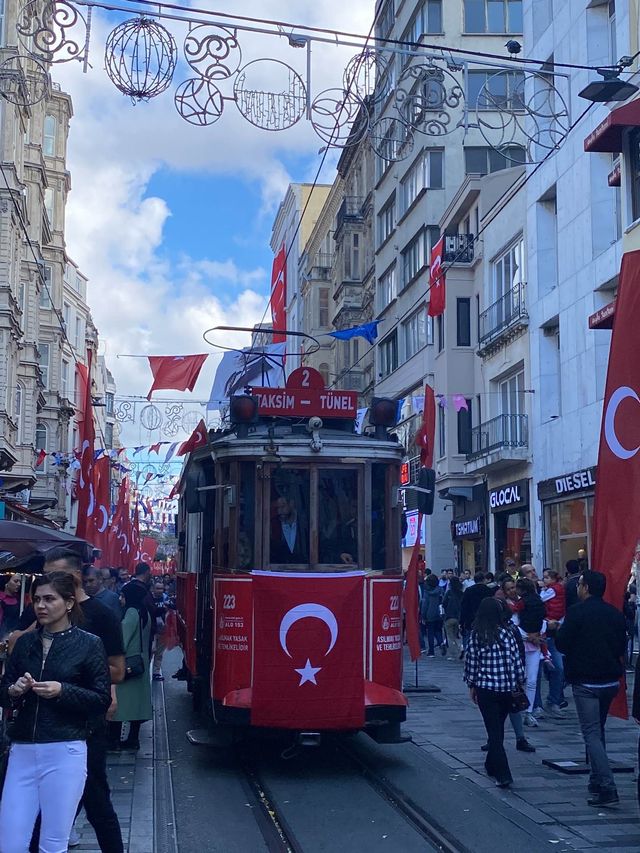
(603, 318)
(608, 134)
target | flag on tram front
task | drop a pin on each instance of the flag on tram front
(308, 669)
(437, 281)
(615, 528)
(279, 294)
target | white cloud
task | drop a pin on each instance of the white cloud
(142, 300)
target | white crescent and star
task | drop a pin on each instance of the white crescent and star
(616, 447)
(308, 611)
(105, 518)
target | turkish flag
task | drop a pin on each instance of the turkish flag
(87, 435)
(425, 436)
(198, 438)
(175, 372)
(308, 670)
(279, 294)
(437, 292)
(119, 551)
(411, 600)
(98, 533)
(616, 530)
(148, 549)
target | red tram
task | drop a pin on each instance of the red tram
(290, 575)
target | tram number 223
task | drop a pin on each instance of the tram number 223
(394, 602)
(228, 602)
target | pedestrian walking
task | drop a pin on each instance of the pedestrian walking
(134, 693)
(593, 640)
(161, 604)
(554, 597)
(451, 603)
(56, 679)
(529, 618)
(493, 670)
(431, 615)
(571, 582)
(10, 604)
(470, 603)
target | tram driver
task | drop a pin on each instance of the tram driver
(289, 540)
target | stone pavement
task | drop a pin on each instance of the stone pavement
(131, 781)
(448, 726)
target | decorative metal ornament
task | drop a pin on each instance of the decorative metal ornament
(24, 81)
(190, 420)
(392, 139)
(140, 58)
(363, 74)
(173, 417)
(125, 411)
(522, 109)
(424, 97)
(333, 116)
(212, 51)
(199, 102)
(53, 32)
(275, 109)
(151, 417)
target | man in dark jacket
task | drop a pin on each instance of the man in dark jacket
(593, 639)
(471, 599)
(571, 583)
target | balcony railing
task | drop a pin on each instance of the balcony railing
(458, 249)
(350, 209)
(506, 315)
(352, 380)
(505, 431)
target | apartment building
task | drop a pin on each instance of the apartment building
(581, 214)
(418, 173)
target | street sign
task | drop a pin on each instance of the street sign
(305, 396)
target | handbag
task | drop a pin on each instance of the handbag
(519, 701)
(134, 664)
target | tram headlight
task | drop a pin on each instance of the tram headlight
(243, 411)
(382, 415)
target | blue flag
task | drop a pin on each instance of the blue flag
(367, 330)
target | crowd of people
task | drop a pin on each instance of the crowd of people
(77, 647)
(518, 632)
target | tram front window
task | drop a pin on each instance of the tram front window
(338, 517)
(289, 539)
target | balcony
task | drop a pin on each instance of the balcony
(458, 249)
(501, 439)
(350, 211)
(351, 380)
(503, 320)
(320, 266)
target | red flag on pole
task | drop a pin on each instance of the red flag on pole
(86, 432)
(198, 438)
(425, 435)
(437, 281)
(279, 294)
(99, 529)
(411, 598)
(148, 549)
(615, 528)
(175, 372)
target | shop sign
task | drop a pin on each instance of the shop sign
(467, 528)
(412, 530)
(509, 496)
(568, 484)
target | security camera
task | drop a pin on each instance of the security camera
(315, 423)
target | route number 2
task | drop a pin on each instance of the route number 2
(228, 602)
(305, 378)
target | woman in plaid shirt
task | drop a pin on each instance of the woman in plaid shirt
(493, 668)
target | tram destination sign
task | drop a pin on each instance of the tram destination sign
(306, 402)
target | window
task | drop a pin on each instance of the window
(386, 19)
(108, 435)
(415, 333)
(428, 19)
(508, 271)
(387, 288)
(464, 429)
(48, 204)
(17, 408)
(41, 443)
(493, 16)
(49, 138)
(463, 322)
(323, 307)
(43, 362)
(613, 48)
(512, 395)
(323, 370)
(490, 90)
(414, 257)
(109, 403)
(352, 256)
(634, 149)
(387, 220)
(389, 354)
(45, 287)
(64, 379)
(66, 316)
(22, 297)
(442, 431)
(2, 39)
(79, 334)
(480, 160)
(425, 173)
(440, 331)
(430, 331)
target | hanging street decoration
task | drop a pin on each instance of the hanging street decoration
(520, 111)
(175, 372)
(24, 81)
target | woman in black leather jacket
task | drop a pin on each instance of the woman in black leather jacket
(56, 679)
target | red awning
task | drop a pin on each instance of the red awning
(603, 318)
(608, 134)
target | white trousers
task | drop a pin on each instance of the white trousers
(47, 778)
(532, 665)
